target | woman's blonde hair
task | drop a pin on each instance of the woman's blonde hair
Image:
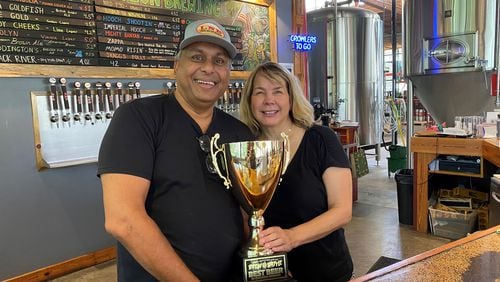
(301, 113)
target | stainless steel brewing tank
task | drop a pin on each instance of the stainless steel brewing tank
(345, 67)
(451, 49)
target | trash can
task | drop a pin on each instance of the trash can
(404, 183)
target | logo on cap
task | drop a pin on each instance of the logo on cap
(210, 29)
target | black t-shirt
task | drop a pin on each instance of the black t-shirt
(301, 196)
(156, 139)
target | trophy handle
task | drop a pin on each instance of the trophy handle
(214, 150)
(286, 149)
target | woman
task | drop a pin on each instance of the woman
(314, 200)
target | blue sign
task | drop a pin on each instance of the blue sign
(302, 42)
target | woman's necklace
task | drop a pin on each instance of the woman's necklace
(287, 132)
(277, 135)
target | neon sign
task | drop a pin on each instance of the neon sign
(302, 42)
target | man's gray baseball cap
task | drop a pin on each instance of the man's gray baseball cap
(208, 30)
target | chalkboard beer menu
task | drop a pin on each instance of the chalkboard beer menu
(47, 32)
(123, 33)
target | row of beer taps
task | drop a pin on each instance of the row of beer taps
(229, 102)
(88, 102)
(96, 102)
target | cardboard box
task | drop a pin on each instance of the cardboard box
(461, 192)
(445, 193)
(456, 203)
(483, 217)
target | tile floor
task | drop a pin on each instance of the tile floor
(373, 232)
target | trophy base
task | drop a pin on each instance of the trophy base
(266, 268)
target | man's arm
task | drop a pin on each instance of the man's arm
(126, 219)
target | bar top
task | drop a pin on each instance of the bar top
(473, 258)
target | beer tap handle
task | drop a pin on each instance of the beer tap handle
(169, 87)
(88, 99)
(99, 105)
(119, 92)
(54, 116)
(226, 101)
(53, 90)
(109, 99)
(230, 93)
(137, 86)
(220, 102)
(65, 98)
(131, 91)
(78, 100)
(237, 95)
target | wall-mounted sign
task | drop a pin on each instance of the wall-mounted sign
(302, 42)
(126, 33)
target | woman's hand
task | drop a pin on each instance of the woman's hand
(277, 239)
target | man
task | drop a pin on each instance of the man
(173, 218)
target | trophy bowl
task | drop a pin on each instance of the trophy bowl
(252, 170)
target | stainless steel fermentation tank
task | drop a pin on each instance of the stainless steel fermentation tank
(451, 51)
(346, 66)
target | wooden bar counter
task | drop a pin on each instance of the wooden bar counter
(473, 258)
(426, 149)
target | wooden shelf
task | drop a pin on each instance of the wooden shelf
(20, 70)
(468, 174)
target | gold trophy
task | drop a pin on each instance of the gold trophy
(253, 169)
